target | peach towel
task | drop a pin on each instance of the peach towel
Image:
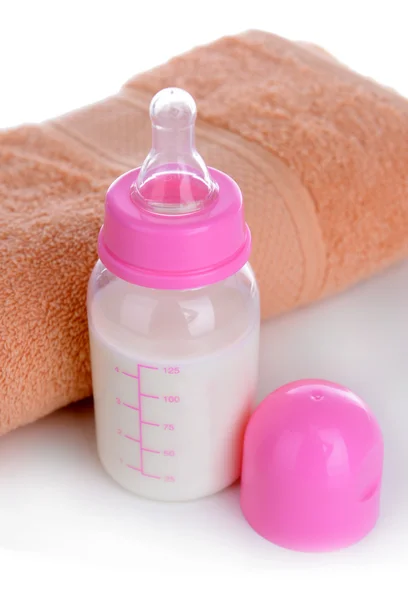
(320, 153)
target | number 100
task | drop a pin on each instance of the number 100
(172, 399)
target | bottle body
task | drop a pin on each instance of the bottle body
(174, 377)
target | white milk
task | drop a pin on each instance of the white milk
(171, 410)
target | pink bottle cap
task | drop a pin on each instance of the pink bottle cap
(174, 223)
(312, 467)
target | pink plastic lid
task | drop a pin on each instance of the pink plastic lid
(312, 467)
(174, 223)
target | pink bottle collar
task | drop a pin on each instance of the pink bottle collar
(166, 251)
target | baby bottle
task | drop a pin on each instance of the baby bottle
(173, 311)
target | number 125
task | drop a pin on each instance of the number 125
(172, 370)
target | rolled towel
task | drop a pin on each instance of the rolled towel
(320, 153)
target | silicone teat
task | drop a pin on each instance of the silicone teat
(174, 178)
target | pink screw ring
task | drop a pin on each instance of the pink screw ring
(312, 467)
(174, 252)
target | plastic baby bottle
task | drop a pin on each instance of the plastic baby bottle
(173, 311)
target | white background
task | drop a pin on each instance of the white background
(64, 526)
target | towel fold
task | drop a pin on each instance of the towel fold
(320, 153)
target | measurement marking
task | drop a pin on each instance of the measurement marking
(149, 396)
(153, 476)
(147, 367)
(129, 437)
(154, 451)
(132, 467)
(131, 406)
(150, 423)
(139, 403)
(130, 375)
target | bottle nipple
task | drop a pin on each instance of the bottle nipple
(174, 178)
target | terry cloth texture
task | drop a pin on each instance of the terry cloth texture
(320, 153)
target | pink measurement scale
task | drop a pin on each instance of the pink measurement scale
(141, 397)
